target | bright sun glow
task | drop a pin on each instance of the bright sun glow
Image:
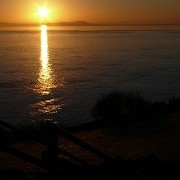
(43, 12)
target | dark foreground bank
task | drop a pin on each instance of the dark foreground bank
(130, 142)
(148, 167)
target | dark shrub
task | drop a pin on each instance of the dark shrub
(118, 106)
(158, 108)
(174, 104)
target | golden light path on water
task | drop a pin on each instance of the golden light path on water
(45, 82)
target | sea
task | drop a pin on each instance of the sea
(58, 73)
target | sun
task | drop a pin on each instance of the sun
(43, 12)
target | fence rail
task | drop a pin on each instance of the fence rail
(51, 160)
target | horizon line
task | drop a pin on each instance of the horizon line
(85, 23)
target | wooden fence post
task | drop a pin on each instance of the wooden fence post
(52, 154)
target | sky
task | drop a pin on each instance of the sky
(93, 11)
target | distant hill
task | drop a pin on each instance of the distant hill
(75, 23)
(2, 23)
(15, 24)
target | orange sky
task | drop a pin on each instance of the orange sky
(99, 11)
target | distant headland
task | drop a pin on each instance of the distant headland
(80, 23)
(75, 23)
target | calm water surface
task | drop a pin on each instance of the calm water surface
(58, 74)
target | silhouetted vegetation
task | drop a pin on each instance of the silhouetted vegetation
(122, 106)
(174, 104)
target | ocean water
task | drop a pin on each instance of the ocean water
(57, 74)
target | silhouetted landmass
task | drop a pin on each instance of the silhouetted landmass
(117, 107)
(75, 23)
(83, 23)
(2, 24)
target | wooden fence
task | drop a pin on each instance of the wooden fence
(50, 158)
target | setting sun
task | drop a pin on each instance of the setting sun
(43, 12)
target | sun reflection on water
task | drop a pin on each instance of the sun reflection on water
(48, 107)
(45, 80)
